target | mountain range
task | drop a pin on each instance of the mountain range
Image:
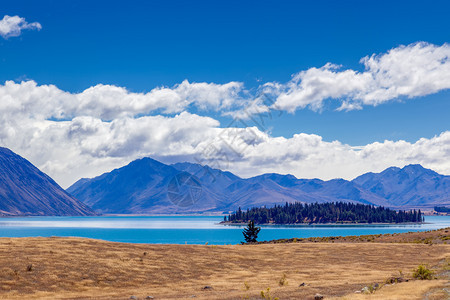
(25, 190)
(146, 186)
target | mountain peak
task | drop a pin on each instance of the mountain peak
(412, 170)
(416, 171)
(145, 165)
(389, 170)
(416, 168)
(411, 185)
(146, 161)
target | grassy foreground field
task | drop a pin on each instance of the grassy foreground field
(76, 268)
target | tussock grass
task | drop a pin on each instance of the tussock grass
(75, 268)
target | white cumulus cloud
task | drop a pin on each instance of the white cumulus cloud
(109, 102)
(11, 26)
(406, 71)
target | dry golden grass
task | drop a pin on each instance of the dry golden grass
(439, 236)
(431, 289)
(75, 268)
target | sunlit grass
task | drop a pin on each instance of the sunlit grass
(81, 268)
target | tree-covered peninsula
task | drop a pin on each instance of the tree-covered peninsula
(320, 213)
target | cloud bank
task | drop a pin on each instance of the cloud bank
(88, 146)
(74, 135)
(13, 26)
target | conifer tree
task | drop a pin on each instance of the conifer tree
(251, 232)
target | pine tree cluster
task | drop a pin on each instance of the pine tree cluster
(331, 212)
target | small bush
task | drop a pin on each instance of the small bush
(373, 287)
(370, 289)
(423, 273)
(266, 295)
(396, 278)
(246, 289)
(283, 281)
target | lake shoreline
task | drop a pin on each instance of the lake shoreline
(188, 229)
(321, 224)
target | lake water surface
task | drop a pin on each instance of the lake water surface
(185, 229)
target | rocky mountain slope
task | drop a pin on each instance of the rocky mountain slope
(25, 190)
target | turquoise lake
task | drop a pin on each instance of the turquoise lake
(185, 229)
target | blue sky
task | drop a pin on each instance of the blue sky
(142, 45)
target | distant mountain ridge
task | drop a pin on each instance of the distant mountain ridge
(25, 190)
(412, 185)
(141, 187)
